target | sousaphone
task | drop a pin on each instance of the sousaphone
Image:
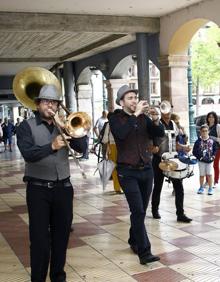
(26, 87)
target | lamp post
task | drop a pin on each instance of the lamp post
(104, 98)
(192, 127)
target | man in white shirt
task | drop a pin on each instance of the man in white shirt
(100, 123)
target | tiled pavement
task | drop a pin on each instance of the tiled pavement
(98, 249)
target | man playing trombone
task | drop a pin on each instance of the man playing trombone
(49, 190)
(132, 131)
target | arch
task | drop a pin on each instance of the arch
(179, 43)
(174, 25)
(122, 68)
(85, 76)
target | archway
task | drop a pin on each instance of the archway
(175, 79)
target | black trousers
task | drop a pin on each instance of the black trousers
(158, 184)
(137, 186)
(50, 216)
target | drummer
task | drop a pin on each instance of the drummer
(168, 143)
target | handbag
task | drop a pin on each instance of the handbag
(105, 168)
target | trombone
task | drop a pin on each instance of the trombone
(26, 86)
(164, 107)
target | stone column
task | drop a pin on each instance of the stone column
(112, 86)
(143, 66)
(173, 75)
(15, 113)
(69, 85)
(84, 93)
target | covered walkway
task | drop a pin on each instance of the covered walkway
(98, 251)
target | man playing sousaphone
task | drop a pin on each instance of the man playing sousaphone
(49, 190)
(132, 131)
(166, 144)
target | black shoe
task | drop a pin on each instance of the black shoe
(184, 218)
(148, 258)
(156, 214)
(134, 248)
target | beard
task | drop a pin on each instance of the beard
(45, 115)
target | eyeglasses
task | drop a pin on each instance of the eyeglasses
(47, 102)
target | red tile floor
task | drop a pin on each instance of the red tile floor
(98, 249)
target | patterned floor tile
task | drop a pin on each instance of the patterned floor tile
(198, 270)
(207, 251)
(102, 219)
(178, 256)
(159, 275)
(98, 248)
(212, 236)
(187, 241)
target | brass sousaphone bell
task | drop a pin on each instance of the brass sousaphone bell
(26, 87)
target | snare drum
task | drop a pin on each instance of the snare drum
(182, 171)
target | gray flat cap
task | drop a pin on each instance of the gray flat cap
(49, 92)
(122, 91)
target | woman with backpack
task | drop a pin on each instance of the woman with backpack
(111, 153)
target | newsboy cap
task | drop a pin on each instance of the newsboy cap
(122, 91)
(49, 92)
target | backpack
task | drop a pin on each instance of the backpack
(102, 133)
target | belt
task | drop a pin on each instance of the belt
(138, 167)
(50, 184)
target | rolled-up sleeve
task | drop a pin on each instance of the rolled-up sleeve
(155, 130)
(79, 144)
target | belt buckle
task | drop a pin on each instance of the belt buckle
(50, 185)
(141, 167)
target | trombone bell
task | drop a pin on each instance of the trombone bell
(165, 107)
(78, 124)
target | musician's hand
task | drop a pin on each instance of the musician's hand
(187, 148)
(58, 120)
(142, 107)
(51, 112)
(58, 142)
(155, 149)
(154, 114)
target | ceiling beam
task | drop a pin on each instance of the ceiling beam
(11, 21)
(93, 46)
(70, 55)
(27, 60)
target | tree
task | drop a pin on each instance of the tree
(206, 57)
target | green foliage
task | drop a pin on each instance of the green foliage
(206, 57)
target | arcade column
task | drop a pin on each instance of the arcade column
(174, 84)
(112, 86)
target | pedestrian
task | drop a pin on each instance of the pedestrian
(132, 130)
(111, 154)
(100, 123)
(204, 150)
(214, 133)
(8, 131)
